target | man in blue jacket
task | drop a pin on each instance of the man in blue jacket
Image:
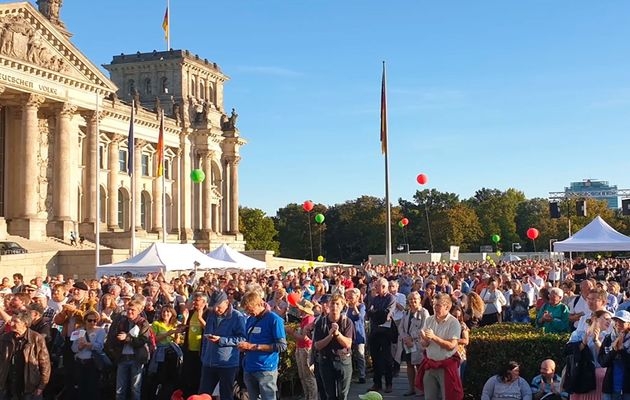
(265, 338)
(225, 329)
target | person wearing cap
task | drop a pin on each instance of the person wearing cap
(71, 318)
(304, 345)
(224, 330)
(41, 299)
(332, 337)
(614, 355)
(265, 338)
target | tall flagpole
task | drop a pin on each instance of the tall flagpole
(163, 185)
(385, 150)
(130, 167)
(97, 225)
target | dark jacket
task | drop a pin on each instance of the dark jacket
(36, 361)
(140, 344)
(607, 360)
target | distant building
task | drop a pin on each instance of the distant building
(600, 190)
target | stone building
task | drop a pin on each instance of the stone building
(64, 146)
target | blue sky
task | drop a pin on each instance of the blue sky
(498, 94)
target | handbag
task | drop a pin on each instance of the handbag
(100, 359)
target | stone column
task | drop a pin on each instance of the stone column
(30, 145)
(157, 202)
(91, 168)
(65, 139)
(233, 170)
(186, 193)
(112, 182)
(206, 197)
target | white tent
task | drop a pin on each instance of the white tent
(162, 256)
(596, 236)
(237, 260)
(510, 258)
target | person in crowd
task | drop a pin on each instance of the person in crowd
(92, 339)
(585, 343)
(494, 300)
(278, 302)
(568, 286)
(614, 355)
(507, 384)
(303, 351)
(195, 323)
(379, 314)
(41, 299)
(579, 271)
(438, 374)
(519, 303)
(442, 285)
(24, 360)
(579, 309)
(332, 337)
(463, 341)
(397, 315)
(428, 296)
(409, 350)
(128, 344)
(265, 339)
(553, 317)
(547, 385)
(356, 312)
(473, 306)
(70, 318)
(224, 330)
(40, 324)
(18, 283)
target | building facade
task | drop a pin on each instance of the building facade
(64, 142)
(600, 190)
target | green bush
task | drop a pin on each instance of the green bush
(494, 345)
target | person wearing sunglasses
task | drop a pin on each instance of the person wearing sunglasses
(86, 375)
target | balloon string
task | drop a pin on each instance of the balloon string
(426, 209)
(310, 234)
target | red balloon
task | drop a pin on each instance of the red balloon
(293, 299)
(308, 206)
(532, 233)
(404, 221)
(422, 179)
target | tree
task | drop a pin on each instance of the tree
(258, 230)
(292, 223)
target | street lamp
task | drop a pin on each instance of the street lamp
(516, 246)
(403, 246)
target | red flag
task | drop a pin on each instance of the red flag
(383, 114)
(160, 148)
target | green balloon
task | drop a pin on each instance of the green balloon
(197, 175)
(319, 218)
(496, 238)
(400, 224)
(395, 261)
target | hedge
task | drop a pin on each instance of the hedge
(494, 345)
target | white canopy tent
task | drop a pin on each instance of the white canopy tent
(596, 236)
(237, 260)
(165, 257)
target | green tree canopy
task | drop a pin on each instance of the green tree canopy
(258, 230)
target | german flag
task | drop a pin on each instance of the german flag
(165, 24)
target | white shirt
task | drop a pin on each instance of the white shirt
(580, 306)
(402, 300)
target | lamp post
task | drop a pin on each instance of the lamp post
(516, 246)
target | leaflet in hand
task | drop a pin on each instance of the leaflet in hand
(135, 331)
(76, 335)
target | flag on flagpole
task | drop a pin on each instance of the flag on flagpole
(160, 148)
(383, 114)
(165, 24)
(130, 141)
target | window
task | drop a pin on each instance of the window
(202, 91)
(101, 157)
(145, 165)
(167, 169)
(121, 209)
(122, 160)
(193, 87)
(131, 86)
(147, 86)
(164, 85)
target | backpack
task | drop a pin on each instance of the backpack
(580, 369)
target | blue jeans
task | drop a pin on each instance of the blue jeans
(358, 356)
(616, 396)
(261, 383)
(225, 377)
(129, 379)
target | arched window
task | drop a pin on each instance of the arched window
(123, 209)
(131, 86)
(164, 84)
(202, 90)
(193, 87)
(147, 86)
(145, 210)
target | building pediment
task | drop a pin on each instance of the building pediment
(31, 44)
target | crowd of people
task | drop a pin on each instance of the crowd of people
(221, 333)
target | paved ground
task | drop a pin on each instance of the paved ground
(399, 387)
